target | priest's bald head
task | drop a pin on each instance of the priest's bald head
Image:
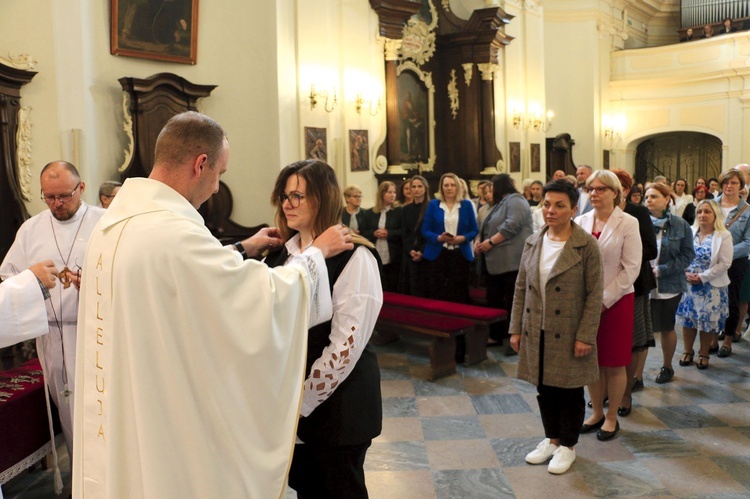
(191, 153)
(61, 189)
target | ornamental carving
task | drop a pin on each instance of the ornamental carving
(127, 126)
(418, 42)
(468, 72)
(23, 151)
(22, 61)
(453, 94)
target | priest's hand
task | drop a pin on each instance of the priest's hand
(265, 238)
(46, 272)
(334, 240)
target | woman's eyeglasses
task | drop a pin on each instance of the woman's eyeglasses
(294, 199)
(600, 189)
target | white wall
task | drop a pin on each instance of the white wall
(77, 89)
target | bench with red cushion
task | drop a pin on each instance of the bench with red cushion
(440, 330)
(482, 317)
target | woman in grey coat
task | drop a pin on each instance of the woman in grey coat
(503, 232)
(556, 310)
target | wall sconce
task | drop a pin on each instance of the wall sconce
(543, 125)
(359, 102)
(613, 128)
(535, 119)
(315, 95)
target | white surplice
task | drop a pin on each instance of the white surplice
(191, 361)
(22, 312)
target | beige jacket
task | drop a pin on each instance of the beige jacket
(572, 311)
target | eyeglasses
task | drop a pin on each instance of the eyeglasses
(294, 199)
(63, 198)
(601, 189)
(355, 197)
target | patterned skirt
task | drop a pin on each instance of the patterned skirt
(703, 307)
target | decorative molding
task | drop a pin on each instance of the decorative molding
(446, 5)
(426, 78)
(381, 164)
(532, 5)
(22, 61)
(468, 72)
(23, 151)
(488, 70)
(127, 126)
(453, 94)
(418, 41)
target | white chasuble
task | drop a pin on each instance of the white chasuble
(190, 361)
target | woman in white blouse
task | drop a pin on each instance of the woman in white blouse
(341, 408)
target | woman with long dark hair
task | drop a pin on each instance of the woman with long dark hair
(413, 267)
(341, 408)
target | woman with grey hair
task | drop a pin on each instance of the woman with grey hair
(107, 192)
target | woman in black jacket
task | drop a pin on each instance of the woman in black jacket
(382, 226)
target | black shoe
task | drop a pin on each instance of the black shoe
(687, 359)
(721, 335)
(637, 385)
(588, 428)
(605, 435)
(724, 351)
(509, 352)
(736, 338)
(605, 404)
(624, 411)
(666, 374)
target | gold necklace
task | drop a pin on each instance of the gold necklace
(65, 274)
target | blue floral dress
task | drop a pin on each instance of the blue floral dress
(704, 307)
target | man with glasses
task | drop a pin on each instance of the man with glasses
(583, 172)
(60, 234)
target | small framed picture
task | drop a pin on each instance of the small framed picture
(514, 150)
(315, 143)
(165, 31)
(359, 150)
(536, 157)
(605, 159)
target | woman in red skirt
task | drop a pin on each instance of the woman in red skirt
(620, 243)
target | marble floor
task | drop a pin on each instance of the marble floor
(466, 435)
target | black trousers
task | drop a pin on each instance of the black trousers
(500, 290)
(562, 409)
(320, 471)
(391, 276)
(736, 275)
(448, 277)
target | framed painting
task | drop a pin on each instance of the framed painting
(315, 143)
(514, 148)
(605, 159)
(359, 147)
(536, 157)
(165, 30)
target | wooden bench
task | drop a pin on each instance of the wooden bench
(481, 317)
(441, 331)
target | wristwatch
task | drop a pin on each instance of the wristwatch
(241, 249)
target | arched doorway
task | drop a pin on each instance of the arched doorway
(678, 154)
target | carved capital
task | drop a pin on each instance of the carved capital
(488, 70)
(392, 47)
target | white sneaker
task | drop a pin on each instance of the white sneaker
(542, 453)
(562, 459)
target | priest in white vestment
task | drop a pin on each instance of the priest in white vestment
(23, 314)
(192, 360)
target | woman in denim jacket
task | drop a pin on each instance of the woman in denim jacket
(738, 222)
(674, 238)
